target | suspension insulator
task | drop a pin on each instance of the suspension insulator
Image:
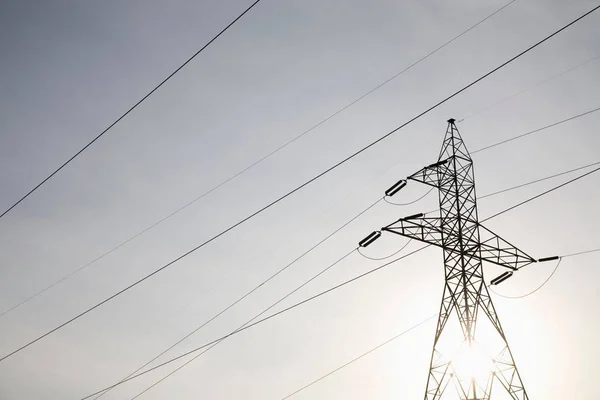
(437, 164)
(501, 278)
(369, 239)
(419, 215)
(396, 188)
(548, 259)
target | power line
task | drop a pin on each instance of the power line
(538, 180)
(419, 324)
(385, 199)
(259, 321)
(410, 202)
(527, 183)
(359, 357)
(581, 252)
(246, 323)
(536, 130)
(363, 149)
(386, 257)
(255, 289)
(129, 110)
(542, 194)
(534, 290)
(281, 147)
(566, 71)
(560, 258)
(370, 258)
(311, 298)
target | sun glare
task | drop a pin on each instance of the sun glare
(472, 363)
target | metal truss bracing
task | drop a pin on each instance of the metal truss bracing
(466, 244)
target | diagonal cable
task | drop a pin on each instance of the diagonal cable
(260, 321)
(310, 299)
(359, 357)
(263, 158)
(251, 291)
(84, 148)
(351, 156)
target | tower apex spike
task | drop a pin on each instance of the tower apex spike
(451, 121)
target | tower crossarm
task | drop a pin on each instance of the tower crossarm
(490, 247)
(430, 175)
(425, 230)
(496, 250)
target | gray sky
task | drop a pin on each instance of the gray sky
(70, 68)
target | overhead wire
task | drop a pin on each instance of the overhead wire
(263, 158)
(542, 194)
(360, 356)
(248, 322)
(528, 183)
(264, 282)
(560, 258)
(410, 202)
(581, 252)
(534, 290)
(364, 255)
(538, 180)
(543, 82)
(336, 165)
(260, 321)
(303, 302)
(130, 109)
(536, 130)
(386, 257)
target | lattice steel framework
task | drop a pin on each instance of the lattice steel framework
(466, 244)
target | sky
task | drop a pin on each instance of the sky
(70, 68)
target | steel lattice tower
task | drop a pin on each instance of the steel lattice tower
(466, 244)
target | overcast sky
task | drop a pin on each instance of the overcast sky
(70, 68)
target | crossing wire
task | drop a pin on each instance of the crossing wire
(247, 322)
(542, 194)
(84, 148)
(551, 78)
(253, 290)
(536, 130)
(263, 158)
(360, 151)
(360, 276)
(402, 334)
(321, 242)
(360, 356)
(260, 321)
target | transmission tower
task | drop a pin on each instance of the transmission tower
(466, 244)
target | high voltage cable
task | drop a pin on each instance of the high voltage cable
(542, 194)
(254, 290)
(560, 258)
(581, 252)
(165, 218)
(387, 201)
(534, 290)
(363, 149)
(313, 298)
(130, 109)
(398, 336)
(526, 183)
(566, 71)
(536, 130)
(370, 258)
(258, 322)
(359, 357)
(247, 322)
(538, 180)
(410, 202)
